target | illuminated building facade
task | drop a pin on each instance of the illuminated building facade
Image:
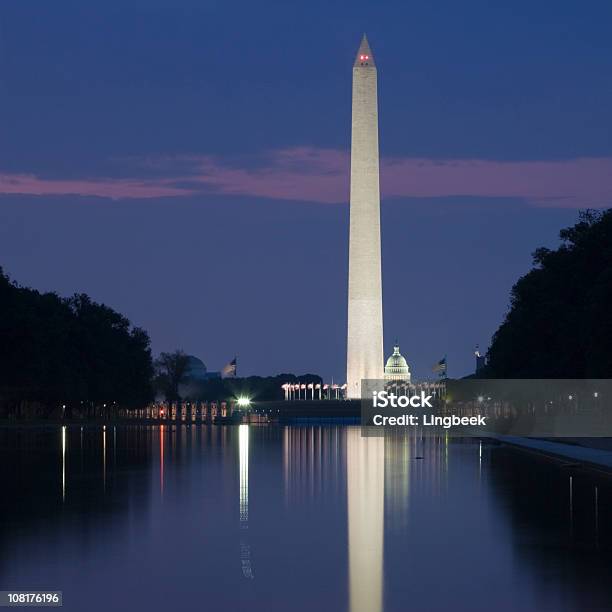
(396, 368)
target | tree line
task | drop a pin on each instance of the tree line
(65, 357)
(173, 384)
(559, 324)
(75, 358)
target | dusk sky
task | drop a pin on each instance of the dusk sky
(187, 164)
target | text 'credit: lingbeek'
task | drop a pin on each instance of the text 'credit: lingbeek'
(428, 420)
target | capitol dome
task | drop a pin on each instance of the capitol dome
(397, 367)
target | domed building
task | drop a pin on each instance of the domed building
(397, 368)
(196, 370)
(195, 376)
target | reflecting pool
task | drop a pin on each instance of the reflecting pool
(298, 518)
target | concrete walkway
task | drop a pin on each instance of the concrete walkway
(595, 457)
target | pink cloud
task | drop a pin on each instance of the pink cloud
(574, 183)
(322, 175)
(29, 184)
(308, 174)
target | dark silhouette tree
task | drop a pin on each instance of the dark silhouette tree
(69, 356)
(170, 371)
(559, 324)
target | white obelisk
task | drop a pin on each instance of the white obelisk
(364, 358)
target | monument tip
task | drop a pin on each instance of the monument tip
(364, 54)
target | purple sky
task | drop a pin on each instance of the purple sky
(188, 164)
(321, 175)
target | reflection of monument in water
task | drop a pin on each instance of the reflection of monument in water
(315, 462)
(383, 474)
(365, 478)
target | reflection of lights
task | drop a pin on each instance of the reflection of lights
(243, 442)
(63, 462)
(161, 459)
(104, 455)
(244, 401)
(243, 450)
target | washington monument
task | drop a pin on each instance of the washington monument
(364, 358)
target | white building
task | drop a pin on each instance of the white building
(397, 368)
(365, 321)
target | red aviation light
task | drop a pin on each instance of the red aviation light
(363, 58)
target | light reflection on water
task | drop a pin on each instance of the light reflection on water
(277, 518)
(245, 549)
(365, 485)
(64, 463)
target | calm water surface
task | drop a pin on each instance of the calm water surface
(298, 518)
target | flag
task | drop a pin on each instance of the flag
(440, 367)
(229, 371)
(311, 385)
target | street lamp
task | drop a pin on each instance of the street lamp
(244, 401)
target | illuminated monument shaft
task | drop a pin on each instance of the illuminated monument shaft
(365, 328)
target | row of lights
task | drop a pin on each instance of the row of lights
(569, 397)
